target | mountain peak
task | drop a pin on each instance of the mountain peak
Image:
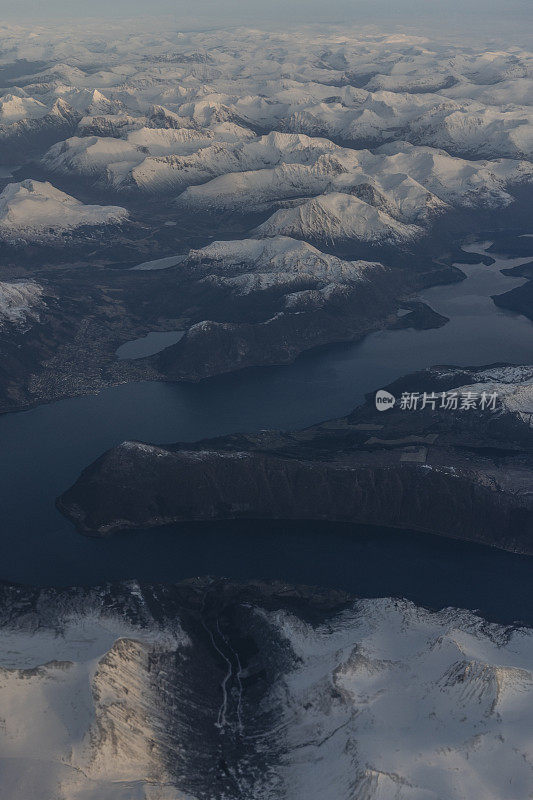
(31, 210)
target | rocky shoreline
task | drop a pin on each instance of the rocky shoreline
(461, 474)
(70, 350)
(236, 313)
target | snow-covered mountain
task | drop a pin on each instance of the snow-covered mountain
(356, 140)
(252, 265)
(27, 126)
(166, 692)
(349, 84)
(336, 217)
(411, 183)
(112, 160)
(164, 160)
(417, 705)
(466, 128)
(512, 385)
(14, 107)
(396, 193)
(225, 122)
(35, 211)
(92, 155)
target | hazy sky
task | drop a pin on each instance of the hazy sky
(250, 11)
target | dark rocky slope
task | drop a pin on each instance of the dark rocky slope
(463, 474)
(519, 299)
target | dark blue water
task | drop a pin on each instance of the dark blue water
(43, 450)
(148, 345)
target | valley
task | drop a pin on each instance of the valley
(248, 689)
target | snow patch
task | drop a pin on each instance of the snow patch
(19, 301)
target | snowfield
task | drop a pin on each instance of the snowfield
(392, 701)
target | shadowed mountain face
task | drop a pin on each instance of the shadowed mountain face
(208, 689)
(439, 466)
